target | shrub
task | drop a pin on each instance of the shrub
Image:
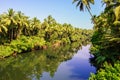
(5, 51)
(108, 73)
(20, 45)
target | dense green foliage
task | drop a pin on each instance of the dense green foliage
(20, 45)
(106, 42)
(105, 39)
(31, 65)
(19, 33)
(108, 72)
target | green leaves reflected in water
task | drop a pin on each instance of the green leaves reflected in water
(31, 65)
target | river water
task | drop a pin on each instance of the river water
(77, 68)
(62, 64)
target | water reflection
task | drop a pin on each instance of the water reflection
(78, 68)
(31, 65)
(46, 65)
(81, 67)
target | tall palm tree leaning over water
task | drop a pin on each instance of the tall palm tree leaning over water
(82, 4)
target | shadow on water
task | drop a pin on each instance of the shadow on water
(64, 63)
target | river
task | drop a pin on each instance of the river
(48, 65)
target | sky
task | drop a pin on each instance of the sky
(63, 11)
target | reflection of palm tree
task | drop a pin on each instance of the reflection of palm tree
(35, 64)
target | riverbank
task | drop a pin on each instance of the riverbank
(21, 45)
(63, 63)
(28, 44)
(22, 34)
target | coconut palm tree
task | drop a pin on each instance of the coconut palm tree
(10, 22)
(21, 23)
(26, 26)
(84, 3)
(111, 2)
(3, 28)
(51, 21)
(35, 26)
(3, 31)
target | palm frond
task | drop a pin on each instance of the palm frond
(81, 7)
(74, 1)
(78, 3)
(91, 1)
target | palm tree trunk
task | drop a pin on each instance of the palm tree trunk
(12, 34)
(18, 31)
(8, 33)
(89, 12)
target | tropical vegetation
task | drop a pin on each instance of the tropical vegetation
(33, 64)
(105, 39)
(19, 33)
(108, 72)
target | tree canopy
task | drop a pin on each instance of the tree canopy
(105, 39)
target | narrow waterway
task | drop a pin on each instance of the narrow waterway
(77, 68)
(65, 63)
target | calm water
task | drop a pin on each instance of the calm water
(77, 68)
(61, 64)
